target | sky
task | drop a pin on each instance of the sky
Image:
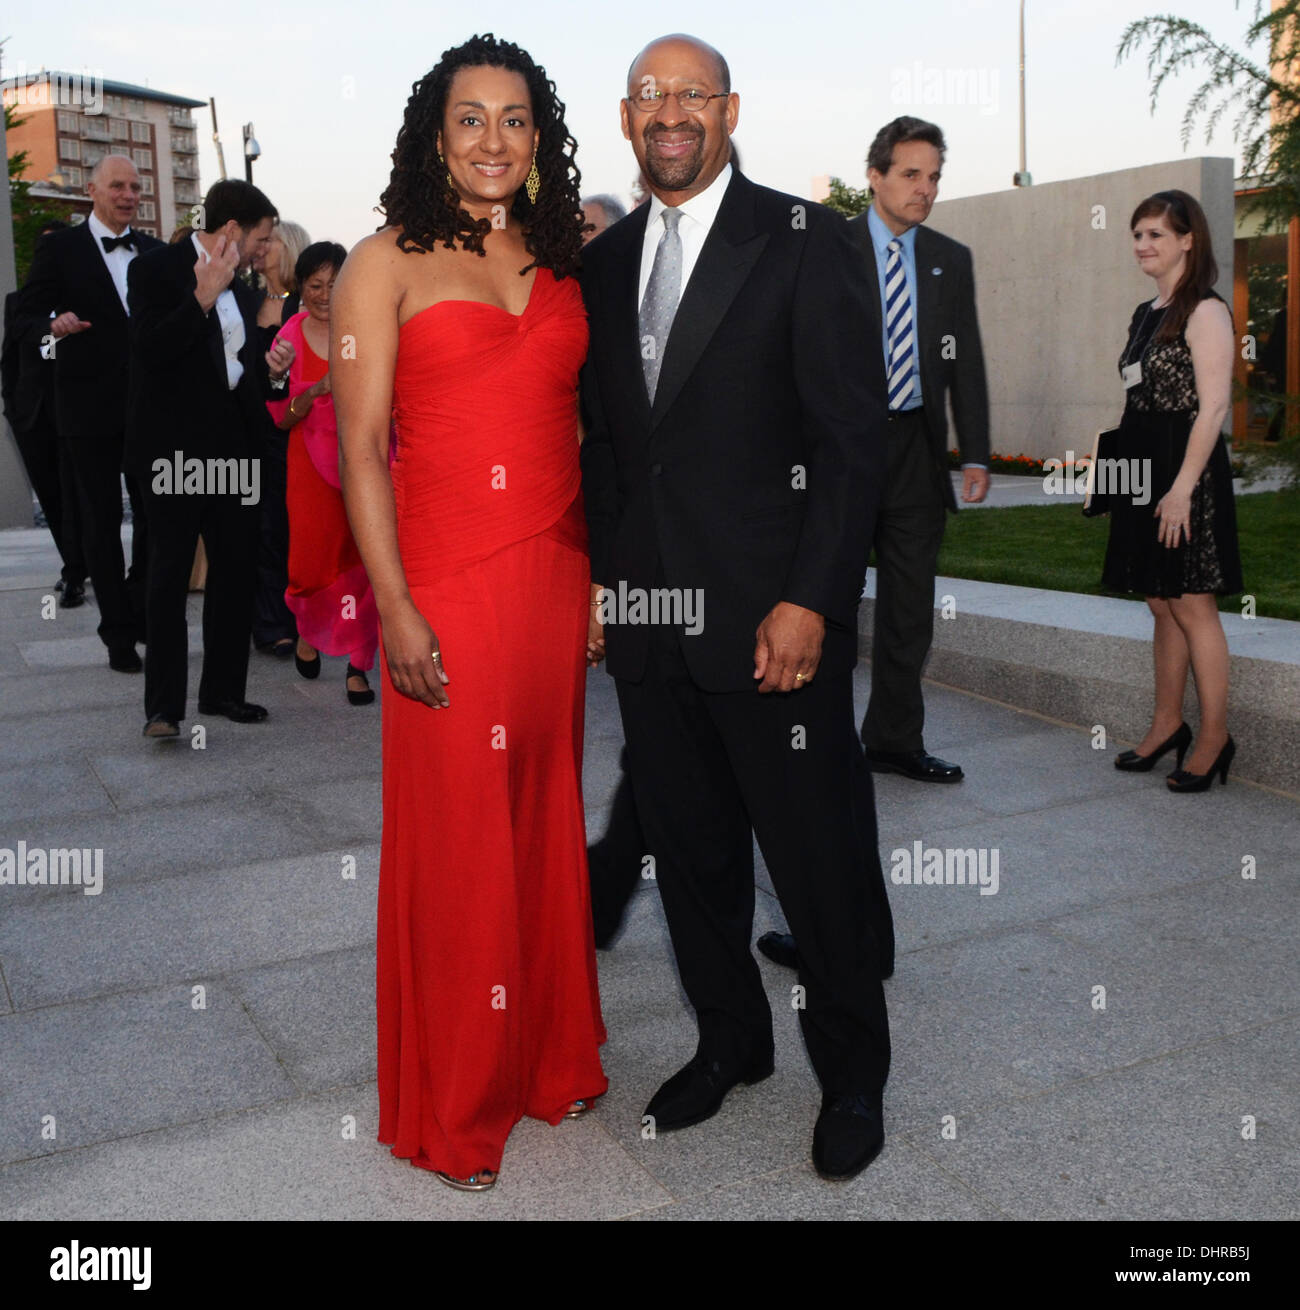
(325, 82)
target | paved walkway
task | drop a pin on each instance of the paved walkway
(223, 871)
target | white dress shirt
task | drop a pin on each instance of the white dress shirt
(698, 214)
(232, 323)
(116, 260)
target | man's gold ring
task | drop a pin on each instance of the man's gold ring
(798, 677)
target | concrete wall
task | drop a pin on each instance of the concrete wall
(1055, 293)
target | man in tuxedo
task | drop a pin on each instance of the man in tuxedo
(923, 300)
(734, 413)
(199, 381)
(27, 382)
(79, 277)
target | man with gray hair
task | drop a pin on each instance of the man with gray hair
(600, 212)
(73, 305)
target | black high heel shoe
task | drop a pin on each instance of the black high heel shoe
(306, 668)
(358, 697)
(1132, 762)
(1182, 782)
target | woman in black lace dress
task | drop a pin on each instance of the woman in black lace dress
(1179, 547)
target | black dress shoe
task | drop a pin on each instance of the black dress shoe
(74, 594)
(849, 1135)
(161, 727)
(914, 764)
(781, 948)
(123, 659)
(237, 711)
(696, 1093)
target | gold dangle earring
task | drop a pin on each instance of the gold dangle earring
(533, 182)
(451, 182)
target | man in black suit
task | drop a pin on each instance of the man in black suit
(27, 383)
(926, 312)
(199, 380)
(734, 417)
(79, 276)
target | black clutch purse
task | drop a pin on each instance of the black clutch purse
(1096, 503)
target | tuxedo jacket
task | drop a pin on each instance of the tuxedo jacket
(179, 396)
(90, 367)
(948, 343)
(754, 477)
(26, 380)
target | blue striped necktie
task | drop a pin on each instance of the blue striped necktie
(900, 329)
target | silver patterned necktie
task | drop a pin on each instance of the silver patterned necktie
(660, 303)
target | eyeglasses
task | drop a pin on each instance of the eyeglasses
(692, 100)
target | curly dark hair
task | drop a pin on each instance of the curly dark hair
(419, 201)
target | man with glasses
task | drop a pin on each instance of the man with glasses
(733, 455)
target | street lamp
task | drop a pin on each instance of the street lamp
(252, 151)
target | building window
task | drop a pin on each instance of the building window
(121, 130)
(73, 175)
(68, 122)
(142, 158)
(69, 149)
(113, 104)
(140, 132)
(91, 155)
(146, 186)
(149, 231)
(147, 209)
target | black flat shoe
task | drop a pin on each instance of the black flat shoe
(281, 649)
(74, 594)
(1182, 781)
(1132, 762)
(356, 697)
(914, 764)
(123, 659)
(850, 1133)
(781, 948)
(696, 1093)
(237, 711)
(162, 728)
(307, 668)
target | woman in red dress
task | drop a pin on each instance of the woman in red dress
(462, 317)
(328, 590)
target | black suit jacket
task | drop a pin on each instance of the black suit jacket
(90, 368)
(26, 380)
(756, 474)
(948, 340)
(179, 395)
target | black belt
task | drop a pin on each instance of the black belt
(897, 415)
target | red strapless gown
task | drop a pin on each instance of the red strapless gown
(487, 1001)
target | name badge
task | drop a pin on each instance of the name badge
(1132, 374)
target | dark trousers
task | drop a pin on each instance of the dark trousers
(710, 772)
(49, 469)
(272, 619)
(120, 594)
(229, 532)
(909, 532)
(615, 861)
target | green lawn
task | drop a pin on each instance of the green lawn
(1054, 546)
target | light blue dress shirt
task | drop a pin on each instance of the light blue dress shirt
(881, 236)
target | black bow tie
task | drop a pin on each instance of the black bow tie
(127, 239)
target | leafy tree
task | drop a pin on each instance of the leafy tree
(1264, 100)
(30, 213)
(848, 200)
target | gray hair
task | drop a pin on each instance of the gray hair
(613, 207)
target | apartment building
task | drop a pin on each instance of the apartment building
(72, 121)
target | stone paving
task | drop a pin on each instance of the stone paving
(1013, 1093)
